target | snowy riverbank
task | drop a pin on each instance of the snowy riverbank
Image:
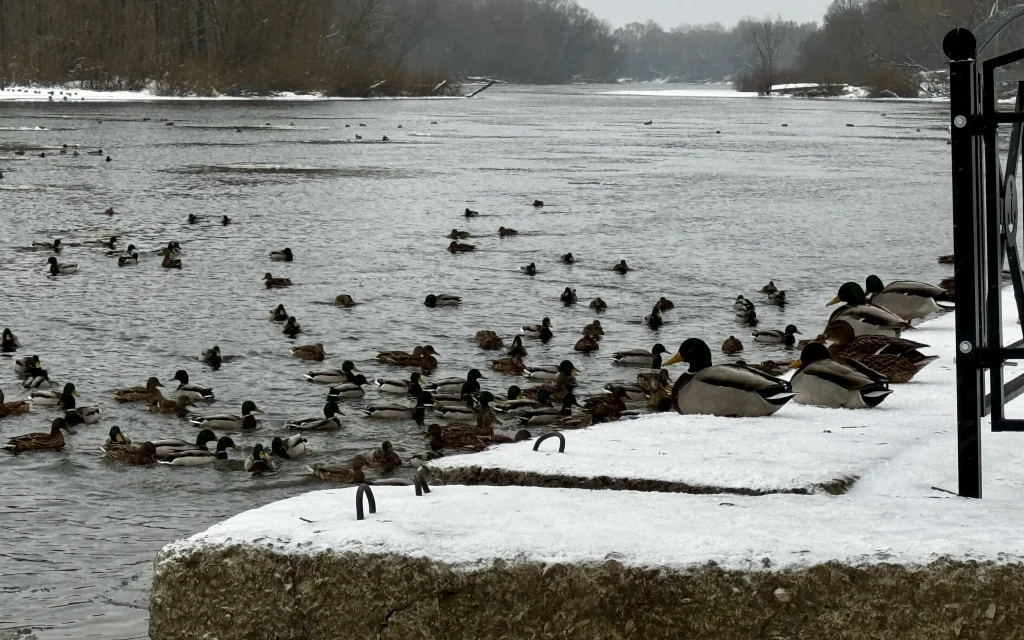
(61, 94)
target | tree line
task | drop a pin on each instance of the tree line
(363, 47)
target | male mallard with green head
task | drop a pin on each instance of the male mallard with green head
(824, 382)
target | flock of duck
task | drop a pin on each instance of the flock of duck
(850, 364)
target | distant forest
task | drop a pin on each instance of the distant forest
(359, 47)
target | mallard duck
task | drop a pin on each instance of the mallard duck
(505, 233)
(550, 372)
(128, 260)
(747, 317)
(61, 268)
(284, 255)
(730, 390)
(458, 385)
(593, 330)
(453, 438)
(23, 365)
(52, 441)
(9, 342)
(567, 258)
(172, 249)
(128, 252)
(517, 350)
(148, 393)
(458, 235)
(193, 218)
(195, 392)
(224, 220)
(54, 246)
(587, 344)
(778, 298)
(515, 401)
(334, 376)
(568, 297)
(291, 327)
(348, 390)
(897, 359)
(653, 320)
(384, 460)
(771, 367)
(36, 379)
(949, 286)
(634, 392)
(330, 422)
(823, 382)
(171, 406)
(732, 345)
(769, 288)
(279, 314)
(140, 455)
(742, 304)
(908, 300)
(469, 213)
(228, 422)
(947, 259)
(353, 475)
(538, 203)
(402, 387)
(313, 352)
(488, 340)
(512, 366)
(460, 247)
(665, 304)
(421, 357)
(212, 357)
(464, 412)
(78, 415)
(345, 301)
(114, 436)
(51, 397)
(774, 336)
(287, 448)
(597, 304)
(259, 462)
(13, 408)
(170, 263)
(169, 446)
(863, 317)
(621, 268)
(276, 283)
(530, 269)
(398, 411)
(432, 301)
(640, 358)
(543, 416)
(538, 330)
(394, 357)
(200, 456)
(654, 380)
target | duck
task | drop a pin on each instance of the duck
(947, 259)
(460, 247)
(863, 317)
(147, 393)
(778, 299)
(192, 391)
(193, 218)
(330, 422)
(443, 300)
(52, 441)
(345, 301)
(458, 385)
(15, 408)
(488, 340)
(514, 400)
(465, 412)
(171, 406)
(634, 392)
(224, 220)
(593, 330)
(587, 344)
(9, 342)
(654, 320)
(538, 204)
(897, 359)
(568, 297)
(654, 380)
(729, 390)
(291, 327)
(259, 462)
(748, 317)
(129, 260)
(287, 448)
(285, 255)
(313, 352)
(212, 357)
(334, 376)
(276, 283)
(114, 437)
(541, 331)
(402, 387)
(621, 268)
(169, 262)
(61, 268)
(908, 300)
(458, 235)
(665, 304)
(199, 456)
(172, 249)
(732, 345)
(742, 304)
(77, 415)
(824, 382)
(769, 288)
(530, 269)
(127, 253)
(279, 314)
(469, 213)
(546, 415)
(550, 372)
(771, 367)
(505, 233)
(36, 379)
(353, 475)
(398, 411)
(101, 243)
(54, 246)
(421, 357)
(563, 382)
(512, 365)
(774, 336)
(384, 460)
(140, 455)
(607, 407)
(567, 258)
(98, 152)
(597, 304)
(640, 357)
(453, 438)
(26, 364)
(168, 446)
(516, 349)
(51, 397)
(228, 422)
(348, 390)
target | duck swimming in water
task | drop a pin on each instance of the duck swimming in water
(442, 300)
(284, 255)
(276, 283)
(279, 314)
(61, 269)
(773, 336)
(621, 268)
(530, 269)
(568, 297)
(640, 357)
(567, 258)
(9, 342)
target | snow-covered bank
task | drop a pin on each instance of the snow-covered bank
(719, 91)
(61, 94)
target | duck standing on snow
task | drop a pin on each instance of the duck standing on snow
(228, 422)
(282, 256)
(823, 382)
(908, 300)
(863, 317)
(897, 359)
(61, 268)
(192, 391)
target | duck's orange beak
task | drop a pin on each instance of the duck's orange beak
(676, 359)
(834, 300)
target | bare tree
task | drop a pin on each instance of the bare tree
(768, 37)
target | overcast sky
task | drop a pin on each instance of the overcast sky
(670, 13)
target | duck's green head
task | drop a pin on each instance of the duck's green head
(415, 377)
(658, 349)
(566, 368)
(546, 323)
(386, 446)
(116, 435)
(8, 334)
(226, 443)
(485, 399)
(474, 374)
(874, 284)
(513, 392)
(258, 453)
(431, 301)
(69, 390)
(205, 437)
(425, 400)
(181, 376)
(693, 351)
(543, 396)
(349, 367)
(249, 407)
(791, 330)
(359, 380)
(812, 353)
(851, 294)
(277, 448)
(330, 409)
(664, 404)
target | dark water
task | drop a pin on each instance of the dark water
(700, 216)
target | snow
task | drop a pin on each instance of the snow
(690, 92)
(43, 94)
(900, 511)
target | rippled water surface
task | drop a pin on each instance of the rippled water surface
(701, 216)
